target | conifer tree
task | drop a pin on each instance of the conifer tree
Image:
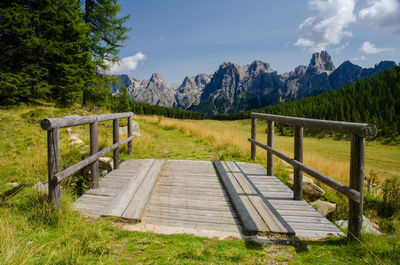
(106, 33)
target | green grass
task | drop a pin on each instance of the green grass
(32, 232)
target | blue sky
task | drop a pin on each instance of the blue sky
(176, 38)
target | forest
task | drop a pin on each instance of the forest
(60, 50)
(373, 100)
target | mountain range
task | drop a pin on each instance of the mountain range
(234, 88)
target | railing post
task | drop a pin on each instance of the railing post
(270, 143)
(356, 182)
(253, 136)
(93, 150)
(130, 133)
(298, 155)
(116, 140)
(53, 160)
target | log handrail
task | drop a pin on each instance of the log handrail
(53, 125)
(358, 131)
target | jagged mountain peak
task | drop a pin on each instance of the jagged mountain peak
(259, 66)
(321, 62)
(156, 78)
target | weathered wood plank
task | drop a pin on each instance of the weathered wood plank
(250, 220)
(271, 217)
(190, 211)
(136, 206)
(192, 224)
(118, 206)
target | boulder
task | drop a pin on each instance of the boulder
(323, 207)
(13, 184)
(106, 163)
(78, 142)
(366, 226)
(308, 186)
(135, 129)
(41, 186)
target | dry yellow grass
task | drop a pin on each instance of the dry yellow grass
(228, 136)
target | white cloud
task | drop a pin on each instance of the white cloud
(126, 64)
(362, 58)
(382, 13)
(370, 48)
(329, 26)
(339, 49)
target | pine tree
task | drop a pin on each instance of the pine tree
(106, 33)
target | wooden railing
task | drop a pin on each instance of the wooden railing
(358, 132)
(53, 125)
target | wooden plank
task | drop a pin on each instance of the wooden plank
(190, 211)
(118, 206)
(241, 203)
(272, 218)
(190, 205)
(137, 204)
(194, 218)
(192, 224)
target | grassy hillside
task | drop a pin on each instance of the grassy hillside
(32, 232)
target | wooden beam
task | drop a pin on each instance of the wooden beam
(298, 155)
(270, 157)
(352, 194)
(359, 129)
(357, 159)
(130, 133)
(75, 120)
(72, 169)
(254, 136)
(53, 160)
(93, 150)
(115, 140)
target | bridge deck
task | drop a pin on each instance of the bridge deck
(196, 196)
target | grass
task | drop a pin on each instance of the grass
(32, 232)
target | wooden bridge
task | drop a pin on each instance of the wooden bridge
(233, 198)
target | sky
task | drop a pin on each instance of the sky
(178, 38)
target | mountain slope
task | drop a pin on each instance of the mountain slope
(370, 100)
(233, 88)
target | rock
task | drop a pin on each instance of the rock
(41, 186)
(106, 163)
(123, 130)
(104, 173)
(135, 129)
(13, 184)
(73, 138)
(323, 207)
(69, 130)
(308, 186)
(366, 226)
(312, 189)
(78, 142)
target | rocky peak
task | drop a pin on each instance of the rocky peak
(157, 79)
(259, 66)
(320, 63)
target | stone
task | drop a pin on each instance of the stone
(366, 226)
(13, 184)
(104, 173)
(69, 130)
(135, 129)
(78, 142)
(323, 207)
(106, 163)
(73, 138)
(308, 186)
(41, 186)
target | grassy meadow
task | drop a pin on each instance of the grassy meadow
(32, 232)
